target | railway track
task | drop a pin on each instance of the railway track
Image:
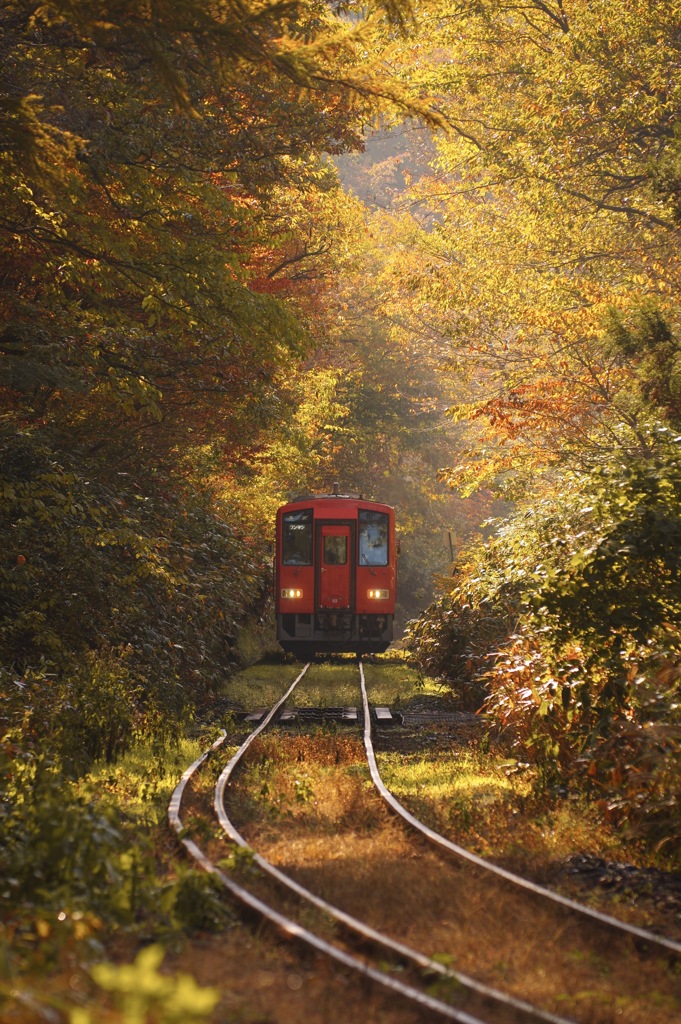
(482, 1004)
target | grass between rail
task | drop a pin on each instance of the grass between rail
(330, 682)
(459, 778)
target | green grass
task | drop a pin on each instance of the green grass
(330, 684)
(450, 775)
(391, 680)
(475, 796)
(142, 781)
(334, 683)
(260, 685)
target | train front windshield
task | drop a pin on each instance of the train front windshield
(373, 538)
(297, 538)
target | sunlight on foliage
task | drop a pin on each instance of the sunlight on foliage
(144, 994)
(579, 594)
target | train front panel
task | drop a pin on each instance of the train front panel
(335, 575)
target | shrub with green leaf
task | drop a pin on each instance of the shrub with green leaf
(123, 583)
(199, 903)
(571, 616)
(59, 850)
(144, 994)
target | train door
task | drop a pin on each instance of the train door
(336, 566)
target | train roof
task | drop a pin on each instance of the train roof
(335, 496)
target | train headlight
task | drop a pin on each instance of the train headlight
(291, 592)
(379, 595)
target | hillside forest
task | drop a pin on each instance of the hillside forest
(429, 250)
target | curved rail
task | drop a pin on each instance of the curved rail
(285, 924)
(295, 931)
(669, 945)
(353, 924)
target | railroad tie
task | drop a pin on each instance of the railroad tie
(256, 715)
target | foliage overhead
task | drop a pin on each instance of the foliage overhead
(552, 208)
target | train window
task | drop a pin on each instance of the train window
(335, 550)
(297, 538)
(373, 537)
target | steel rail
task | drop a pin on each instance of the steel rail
(669, 945)
(285, 924)
(352, 923)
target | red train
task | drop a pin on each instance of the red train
(335, 574)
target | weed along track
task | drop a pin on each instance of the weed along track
(331, 868)
(665, 945)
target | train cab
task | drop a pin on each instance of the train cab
(335, 574)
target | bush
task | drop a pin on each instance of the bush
(123, 590)
(122, 596)
(58, 849)
(456, 636)
(576, 603)
(199, 903)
